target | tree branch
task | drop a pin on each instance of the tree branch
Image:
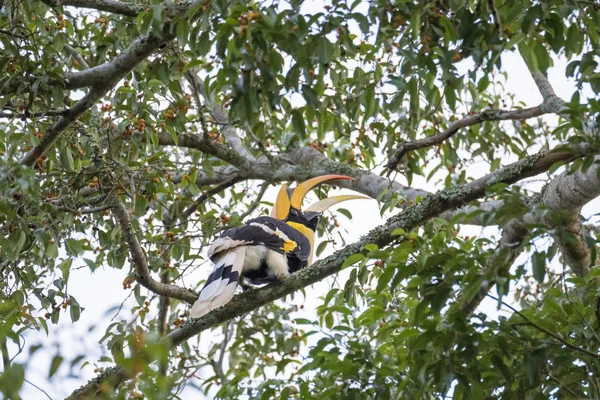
(54, 132)
(75, 54)
(211, 192)
(552, 103)
(109, 73)
(414, 216)
(110, 6)
(488, 115)
(566, 195)
(139, 260)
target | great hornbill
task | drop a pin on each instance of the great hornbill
(265, 249)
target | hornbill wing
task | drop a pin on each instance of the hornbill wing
(301, 245)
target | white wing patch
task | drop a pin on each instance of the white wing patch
(222, 282)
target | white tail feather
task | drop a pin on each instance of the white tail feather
(220, 291)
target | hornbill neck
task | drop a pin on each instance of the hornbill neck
(306, 224)
(305, 231)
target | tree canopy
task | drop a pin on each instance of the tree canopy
(133, 132)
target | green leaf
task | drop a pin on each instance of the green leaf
(74, 247)
(538, 261)
(56, 361)
(298, 123)
(353, 259)
(75, 311)
(182, 32)
(140, 205)
(66, 159)
(321, 247)
(534, 364)
(324, 50)
(386, 277)
(311, 97)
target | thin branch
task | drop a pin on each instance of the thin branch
(38, 388)
(593, 228)
(209, 193)
(14, 113)
(546, 331)
(110, 6)
(163, 304)
(504, 256)
(218, 364)
(75, 54)
(220, 117)
(488, 115)
(54, 132)
(198, 91)
(5, 354)
(139, 260)
(256, 202)
(85, 210)
(552, 103)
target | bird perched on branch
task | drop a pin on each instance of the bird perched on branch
(265, 249)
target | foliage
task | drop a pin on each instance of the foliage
(354, 81)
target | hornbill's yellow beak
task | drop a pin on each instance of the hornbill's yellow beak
(286, 200)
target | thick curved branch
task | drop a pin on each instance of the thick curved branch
(488, 115)
(110, 6)
(109, 73)
(566, 195)
(414, 216)
(140, 263)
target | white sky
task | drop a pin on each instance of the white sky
(101, 291)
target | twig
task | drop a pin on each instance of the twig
(546, 331)
(139, 259)
(85, 210)
(256, 202)
(488, 115)
(507, 252)
(5, 354)
(38, 388)
(198, 91)
(211, 192)
(73, 52)
(218, 364)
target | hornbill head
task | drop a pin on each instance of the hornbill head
(289, 201)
